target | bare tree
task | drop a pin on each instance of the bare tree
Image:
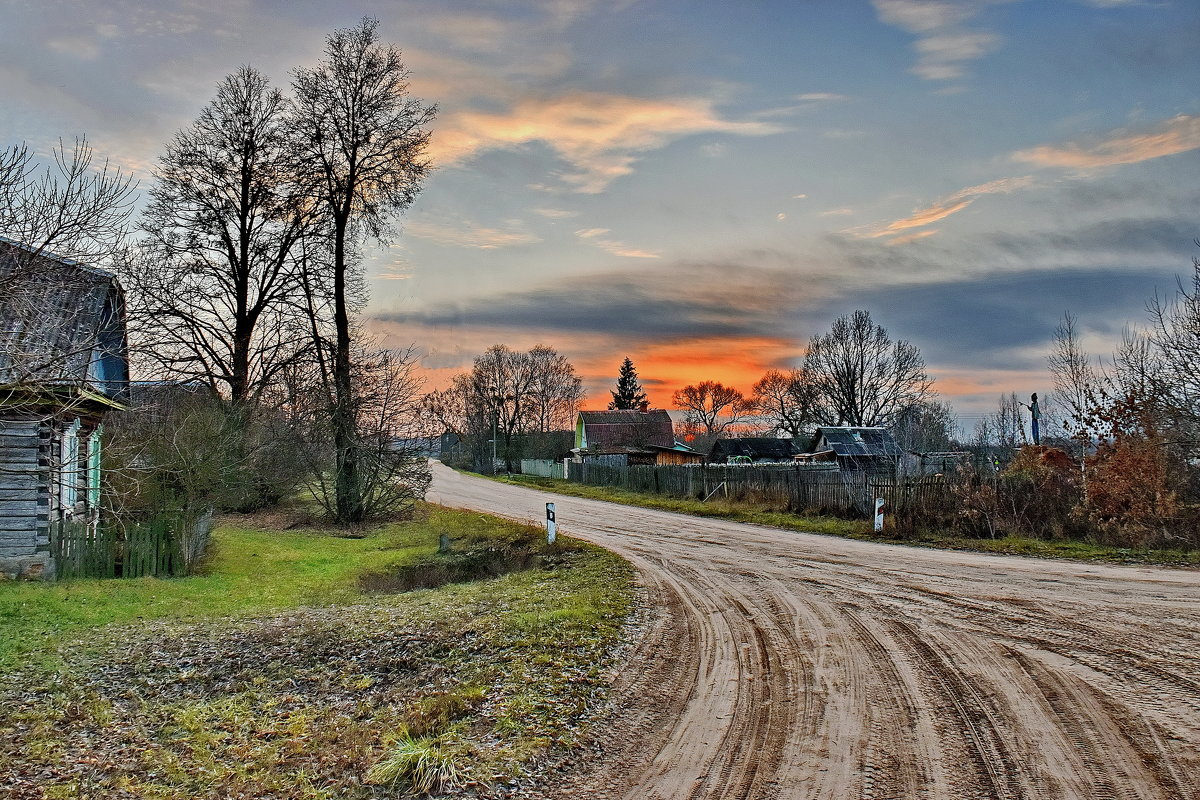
(926, 427)
(499, 382)
(863, 377)
(1004, 429)
(71, 209)
(1173, 342)
(1076, 381)
(787, 402)
(360, 141)
(554, 390)
(215, 286)
(392, 467)
(508, 396)
(710, 408)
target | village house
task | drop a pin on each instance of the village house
(63, 365)
(854, 448)
(629, 438)
(754, 450)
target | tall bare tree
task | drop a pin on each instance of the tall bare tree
(1076, 380)
(787, 402)
(555, 390)
(863, 377)
(510, 394)
(499, 385)
(710, 408)
(217, 279)
(360, 140)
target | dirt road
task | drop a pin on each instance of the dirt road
(785, 665)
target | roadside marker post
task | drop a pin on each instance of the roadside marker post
(878, 514)
(551, 524)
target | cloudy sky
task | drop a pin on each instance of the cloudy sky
(703, 185)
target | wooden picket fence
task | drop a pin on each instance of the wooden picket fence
(169, 546)
(797, 489)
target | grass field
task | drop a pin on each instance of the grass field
(295, 666)
(861, 528)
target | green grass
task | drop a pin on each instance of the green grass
(861, 529)
(248, 571)
(276, 673)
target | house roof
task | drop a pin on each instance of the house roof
(849, 441)
(61, 322)
(757, 448)
(606, 430)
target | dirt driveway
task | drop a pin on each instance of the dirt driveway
(786, 665)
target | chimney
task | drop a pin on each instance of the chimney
(645, 406)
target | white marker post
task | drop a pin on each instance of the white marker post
(551, 525)
(878, 514)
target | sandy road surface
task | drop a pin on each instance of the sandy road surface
(785, 665)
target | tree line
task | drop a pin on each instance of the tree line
(855, 374)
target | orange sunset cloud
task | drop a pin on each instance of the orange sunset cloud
(668, 366)
(599, 134)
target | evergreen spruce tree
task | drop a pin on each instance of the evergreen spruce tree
(629, 394)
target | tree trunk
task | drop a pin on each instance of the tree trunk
(347, 486)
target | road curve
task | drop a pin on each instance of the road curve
(785, 665)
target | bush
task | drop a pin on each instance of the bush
(1035, 495)
(182, 448)
(1137, 493)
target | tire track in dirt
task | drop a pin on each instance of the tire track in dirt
(778, 665)
(1093, 735)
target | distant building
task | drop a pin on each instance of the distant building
(601, 430)
(623, 438)
(855, 448)
(754, 450)
(63, 365)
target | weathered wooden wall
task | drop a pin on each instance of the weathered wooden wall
(24, 495)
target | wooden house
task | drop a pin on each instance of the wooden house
(63, 365)
(677, 454)
(855, 448)
(627, 438)
(754, 450)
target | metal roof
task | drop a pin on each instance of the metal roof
(850, 441)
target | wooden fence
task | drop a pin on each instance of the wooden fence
(542, 467)
(791, 488)
(164, 547)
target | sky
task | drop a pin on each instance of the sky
(702, 186)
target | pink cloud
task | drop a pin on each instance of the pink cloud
(1177, 135)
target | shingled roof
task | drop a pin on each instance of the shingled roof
(61, 322)
(611, 430)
